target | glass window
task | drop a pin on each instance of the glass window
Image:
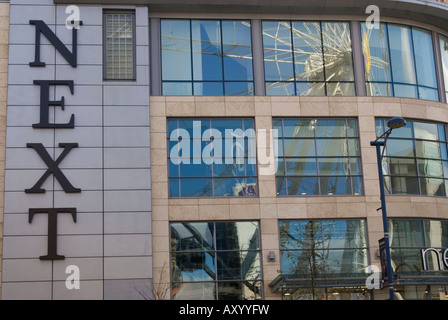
(414, 161)
(206, 57)
(211, 158)
(119, 47)
(409, 236)
(318, 157)
(399, 62)
(323, 247)
(216, 260)
(444, 53)
(308, 58)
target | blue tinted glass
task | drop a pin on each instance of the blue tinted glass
(336, 41)
(333, 166)
(281, 186)
(237, 50)
(280, 89)
(428, 94)
(310, 88)
(177, 88)
(402, 57)
(174, 187)
(229, 124)
(206, 49)
(400, 148)
(173, 169)
(229, 187)
(301, 167)
(248, 124)
(195, 170)
(239, 88)
(299, 147)
(299, 128)
(277, 49)
(443, 43)
(175, 42)
(379, 89)
(235, 169)
(331, 128)
(208, 89)
(424, 58)
(194, 127)
(303, 186)
(405, 91)
(376, 48)
(357, 185)
(335, 185)
(192, 187)
(307, 48)
(331, 147)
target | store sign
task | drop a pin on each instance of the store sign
(42, 28)
(442, 258)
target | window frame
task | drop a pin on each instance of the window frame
(211, 177)
(214, 251)
(418, 176)
(347, 138)
(294, 82)
(192, 80)
(392, 83)
(134, 44)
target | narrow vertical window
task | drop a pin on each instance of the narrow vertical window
(119, 45)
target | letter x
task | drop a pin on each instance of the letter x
(53, 168)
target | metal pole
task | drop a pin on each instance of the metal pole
(378, 145)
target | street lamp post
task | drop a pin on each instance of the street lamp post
(394, 123)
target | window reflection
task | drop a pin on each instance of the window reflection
(443, 43)
(415, 159)
(399, 61)
(318, 157)
(313, 248)
(216, 260)
(206, 57)
(308, 58)
(409, 236)
(211, 158)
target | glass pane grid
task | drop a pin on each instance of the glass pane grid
(399, 62)
(415, 159)
(325, 161)
(223, 168)
(302, 58)
(225, 262)
(119, 55)
(214, 56)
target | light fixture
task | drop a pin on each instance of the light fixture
(396, 122)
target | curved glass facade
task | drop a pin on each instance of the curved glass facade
(399, 62)
(300, 58)
(416, 160)
(308, 58)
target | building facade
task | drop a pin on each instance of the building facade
(221, 149)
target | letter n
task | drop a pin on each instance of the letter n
(42, 27)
